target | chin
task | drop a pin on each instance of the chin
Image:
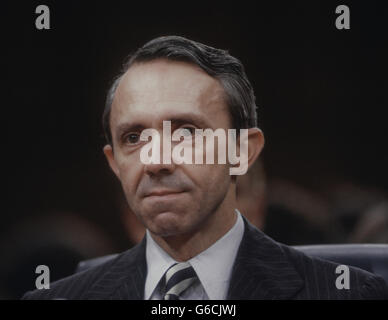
(166, 224)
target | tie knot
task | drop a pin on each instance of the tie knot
(178, 278)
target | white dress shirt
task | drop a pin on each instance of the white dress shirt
(212, 266)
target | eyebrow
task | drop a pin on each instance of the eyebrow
(189, 118)
(176, 121)
(128, 127)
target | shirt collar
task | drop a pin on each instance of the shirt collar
(213, 266)
(158, 261)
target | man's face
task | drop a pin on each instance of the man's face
(169, 199)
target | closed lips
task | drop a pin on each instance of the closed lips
(162, 193)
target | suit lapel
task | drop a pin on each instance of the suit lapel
(125, 279)
(262, 270)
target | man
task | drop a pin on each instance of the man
(197, 245)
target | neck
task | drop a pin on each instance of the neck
(183, 247)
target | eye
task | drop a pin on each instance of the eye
(132, 138)
(187, 131)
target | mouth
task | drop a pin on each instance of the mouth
(163, 193)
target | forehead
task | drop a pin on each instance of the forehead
(154, 91)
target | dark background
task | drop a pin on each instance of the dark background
(321, 92)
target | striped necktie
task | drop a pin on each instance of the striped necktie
(178, 278)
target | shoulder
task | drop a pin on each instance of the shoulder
(329, 280)
(75, 286)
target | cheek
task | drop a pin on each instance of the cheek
(210, 179)
(130, 172)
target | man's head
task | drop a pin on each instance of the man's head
(217, 63)
(195, 87)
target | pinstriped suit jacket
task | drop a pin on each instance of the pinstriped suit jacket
(263, 269)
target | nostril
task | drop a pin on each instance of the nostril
(159, 169)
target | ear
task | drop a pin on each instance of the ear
(255, 144)
(249, 146)
(108, 151)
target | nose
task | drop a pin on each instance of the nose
(165, 164)
(160, 169)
